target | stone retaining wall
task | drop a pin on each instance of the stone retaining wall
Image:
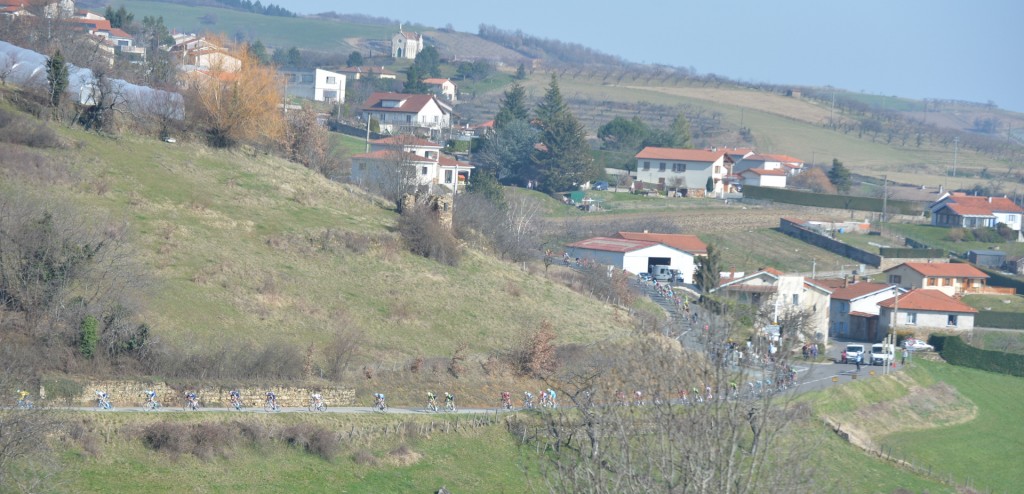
(131, 393)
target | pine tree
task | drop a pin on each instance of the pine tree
(563, 159)
(681, 132)
(839, 175)
(708, 268)
(355, 59)
(512, 106)
(56, 77)
(520, 72)
(414, 81)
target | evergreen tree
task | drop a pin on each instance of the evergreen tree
(56, 77)
(414, 81)
(355, 59)
(486, 184)
(709, 186)
(520, 72)
(681, 132)
(512, 106)
(563, 159)
(259, 52)
(708, 268)
(839, 175)
(428, 61)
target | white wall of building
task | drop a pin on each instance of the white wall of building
(912, 319)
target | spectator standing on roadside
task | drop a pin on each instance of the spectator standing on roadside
(903, 361)
(860, 357)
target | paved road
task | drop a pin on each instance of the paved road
(348, 410)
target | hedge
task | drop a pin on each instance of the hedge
(956, 352)
(996, 319)
(830, 201)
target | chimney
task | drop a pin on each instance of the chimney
(990, 199)
(732, 273)
(845, 281)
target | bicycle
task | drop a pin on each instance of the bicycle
(151, 405)
(449, 406)
(191, 403)
(25, 404)
(271, 405)
(103, 401)
(236, 404)
(431, 405)
(317, 405)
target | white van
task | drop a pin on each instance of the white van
(661, 272)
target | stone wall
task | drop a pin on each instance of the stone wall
(130, 393)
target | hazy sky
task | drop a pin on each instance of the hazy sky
(968, 50)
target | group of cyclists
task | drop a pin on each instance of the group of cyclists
(449, 402)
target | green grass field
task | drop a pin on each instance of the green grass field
(1001, 303)
(938, 237)
(961, 423)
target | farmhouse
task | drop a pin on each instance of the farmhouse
(962, 211)
(853, 308)
(444, 88)
(923, 308)
(196, 53)
(314, 85)
(762, 177)
(683, 170)
(779, 295)
(946, 277)
(406, 160)
(634, 256)
(400, 113)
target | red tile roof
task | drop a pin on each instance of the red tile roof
(436, 81)
(685, 243)
(853, 291)
(929, 300)
(94, 24)
(447, 161)
(991, 204)
(612, 244)
(411, 103)
(405, 140)
(944, 269)
(390, 154)
(120, 33)
(674, 154)
(781, 158)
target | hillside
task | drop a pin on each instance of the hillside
(243, 250)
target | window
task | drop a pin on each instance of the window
(932, 281)
(332, 80)
(895, 279)
(423, 170)
(408, 118)
(307, 78)
(679, 167)
(362, 166)
(647, 165)
(947, 282)
(796, 299)
(951, 320)
(911, 318)
(447, 176)
(661, 166)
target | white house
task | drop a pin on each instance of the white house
(788, 164)
(410, 159)
(315, 85)
(683, 170)
(762, 177)
(197, 53)
(951, 278)
(963, 211)
(400, 113)
(927, 309)
(686, 243)
(634, 256)
(369, 72)
(444, 88)
(781, 294)
(406, 45)
(853, 308)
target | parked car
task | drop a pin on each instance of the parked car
(600, 186)
(881, 354)
(644, 276)
(917, 345)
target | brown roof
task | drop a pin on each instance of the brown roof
(411, 103)
(673, 154)
(929, 300)
(781, 158)
(612, 244)
(968, 210)
(853, 291)
(685, 243)
(944, 269)
(436, 80)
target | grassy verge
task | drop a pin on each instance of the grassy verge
(937, 237)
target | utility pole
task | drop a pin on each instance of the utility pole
(956, 148)
(885, 198)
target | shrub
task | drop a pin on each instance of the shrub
(988, 235)
(88, 336)
(169, 437)
(955, 351)
(424, 235)
(64, 390)
(312, 439)
(364, 457)
(18, 129)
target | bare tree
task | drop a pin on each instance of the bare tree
(650, 416)
(7, 65)
(310, 144)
